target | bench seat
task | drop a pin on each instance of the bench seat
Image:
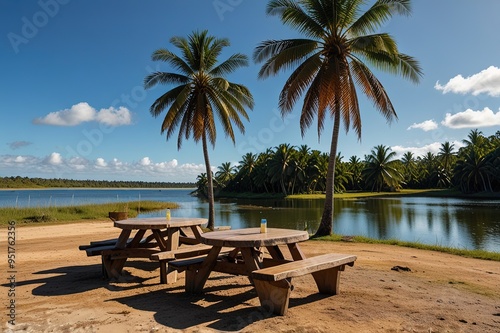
(146, 242)
(97, 250)
(193, 263)
(184, 252)
(274, 284)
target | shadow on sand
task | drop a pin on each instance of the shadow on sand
(226, 304)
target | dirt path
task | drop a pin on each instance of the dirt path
(59, 289)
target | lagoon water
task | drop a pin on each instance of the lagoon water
(458, 223)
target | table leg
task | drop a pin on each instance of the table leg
(296, 252)
(252, 260)
(172, 243)
(195, 281)
(197, 231)
(123, 239)
(159, 239)
(114, 267)
(275, 252)
(137, 238)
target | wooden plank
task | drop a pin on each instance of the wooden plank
(302, 267)
(144, 243)
(183, 263)
(129, 253)
(97, 250)
(190, 251)
(158, 223)
(252, 237)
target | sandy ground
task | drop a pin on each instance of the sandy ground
(59, 289)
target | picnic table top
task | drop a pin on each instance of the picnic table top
(252, 237)
(159, 223)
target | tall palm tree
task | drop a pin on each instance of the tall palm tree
(301, 162)
(409, 168)
(280, 166)
(381, 169)
(355, 167)
(246, 169)
(473, 173)
(446, 154)
(225, 173)
(340, 41)
(200, 94)
(342, 175)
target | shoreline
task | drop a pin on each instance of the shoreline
(440, 292)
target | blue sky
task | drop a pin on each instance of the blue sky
(73, 103)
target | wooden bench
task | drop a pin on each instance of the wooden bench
(146, 242)
(273, 284)
(107, 250)
(193, 263)
(181, 253)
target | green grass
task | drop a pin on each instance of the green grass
(477, 254)
(48, 215)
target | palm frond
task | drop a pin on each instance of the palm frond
(292, 14)
(173, 60)
(282, 54)
(298, 82)
(378, 14)
(164, 78)
(373, 89)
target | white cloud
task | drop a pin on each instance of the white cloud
(83, 112)
(472, 119)
(100, 163)
(20, 159)
(426, 126)
(54, 159)
(114, 117)
(417, 151)
(487, 81)
(56, 166)
(77, 163)
(145, 161)
(421, 151)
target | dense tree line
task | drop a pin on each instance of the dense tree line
(288, 169)
(25, 182)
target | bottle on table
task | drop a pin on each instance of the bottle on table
(168, 214)
(263, 225)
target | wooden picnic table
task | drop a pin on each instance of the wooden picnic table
(271, 277)
(165, 232)
(248, 242)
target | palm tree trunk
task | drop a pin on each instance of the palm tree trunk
(283, 188)
(210, 194)
(325, 227)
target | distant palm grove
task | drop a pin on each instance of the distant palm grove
(287, 169)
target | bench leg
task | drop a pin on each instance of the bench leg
(163, 271)
(105, 266)
(166, 275)
(328, 280)
(274, 295)
(191, 281)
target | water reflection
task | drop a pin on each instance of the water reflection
(446, 222)
(443, 221)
